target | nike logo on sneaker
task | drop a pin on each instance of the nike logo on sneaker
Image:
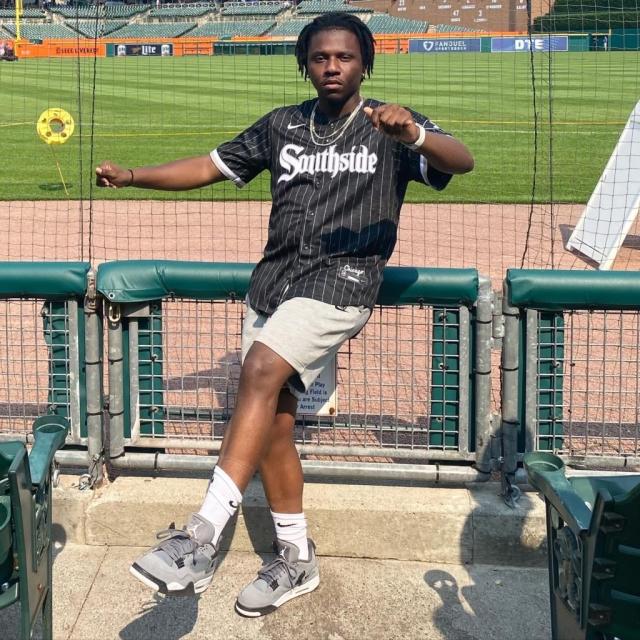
(295, 126)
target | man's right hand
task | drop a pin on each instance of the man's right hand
(111, 175)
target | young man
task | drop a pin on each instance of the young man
(340, 165)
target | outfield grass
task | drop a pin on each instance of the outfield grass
(150, 110)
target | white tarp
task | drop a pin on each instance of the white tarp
(614, 204)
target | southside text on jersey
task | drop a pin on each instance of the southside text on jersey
(293, 161)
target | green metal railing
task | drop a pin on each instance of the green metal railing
(570, 367)
(168, 391)
(51, 354)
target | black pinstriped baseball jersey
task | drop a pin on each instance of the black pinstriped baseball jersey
(334, 216)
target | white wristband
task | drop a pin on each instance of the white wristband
(417, 144)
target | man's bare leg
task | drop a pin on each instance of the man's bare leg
(280, 467)
(248, 435)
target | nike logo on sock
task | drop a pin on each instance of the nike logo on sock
(286, 525)
(233, 505)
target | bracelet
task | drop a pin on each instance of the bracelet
(417, 144)
(130, 181)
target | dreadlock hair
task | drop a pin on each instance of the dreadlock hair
(336, 20)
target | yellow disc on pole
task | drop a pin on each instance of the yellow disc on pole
(55, 126)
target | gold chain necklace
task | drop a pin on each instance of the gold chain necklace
(334, 136)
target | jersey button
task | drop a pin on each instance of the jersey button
(310, 214)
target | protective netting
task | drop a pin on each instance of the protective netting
(541, 122)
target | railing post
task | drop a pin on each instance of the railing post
(93, 373)
(482, 374)
(509, 377)
(116, 381)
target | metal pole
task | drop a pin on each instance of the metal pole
(371, 471)
(317, 450)
(116, 381)
(93, 373)
(482, 374)
(510, 370)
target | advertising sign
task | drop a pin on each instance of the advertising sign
(165, 49)
(444, 45)
(533, 43)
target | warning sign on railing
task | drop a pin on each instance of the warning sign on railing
(321, 397)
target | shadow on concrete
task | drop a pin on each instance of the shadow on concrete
(451, 607)
(494, 537)
(163, 617)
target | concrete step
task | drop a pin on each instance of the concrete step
(468, 525)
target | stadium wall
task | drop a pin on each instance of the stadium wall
(451, 42)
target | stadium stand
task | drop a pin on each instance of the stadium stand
(289, 28)
(26, 13)
(230, 29)
(453, 28)
(164, 30)
(102, 11)
(325, 6)
(40, 31)
(381, 23)
(182, 11)
(254, 9)
(95, 28)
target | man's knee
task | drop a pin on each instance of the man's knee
(264, 370)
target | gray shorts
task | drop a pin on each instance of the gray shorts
(306, 333)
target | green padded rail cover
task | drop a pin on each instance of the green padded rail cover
(43, 279)
(144, 280)
(555, 290)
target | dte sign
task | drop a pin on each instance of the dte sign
(517, 45)
(537, 44)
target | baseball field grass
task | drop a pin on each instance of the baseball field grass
(540, 126)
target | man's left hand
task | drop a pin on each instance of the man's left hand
(394, 121)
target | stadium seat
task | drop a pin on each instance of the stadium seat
(289, 28)
(382, 23)
(181, 11)
(25, 525)
(326, 6)
(101, 11)
(271, 9)
(41, 31)
(593, 535)
(229, 29)
(156, 30)
(93, 28)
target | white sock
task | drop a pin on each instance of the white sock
(221, 501)
(292, 527)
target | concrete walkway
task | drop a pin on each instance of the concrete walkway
(396, 562)
(95, 598)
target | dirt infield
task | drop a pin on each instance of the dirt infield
(489, 237)
(385, 375)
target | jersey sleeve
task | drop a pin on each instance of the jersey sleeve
(247, 155)
(418, 166)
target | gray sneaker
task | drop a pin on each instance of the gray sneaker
(279, 581)
(183, 563)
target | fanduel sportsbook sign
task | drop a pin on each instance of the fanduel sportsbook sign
(444, 45)
(511, 45)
